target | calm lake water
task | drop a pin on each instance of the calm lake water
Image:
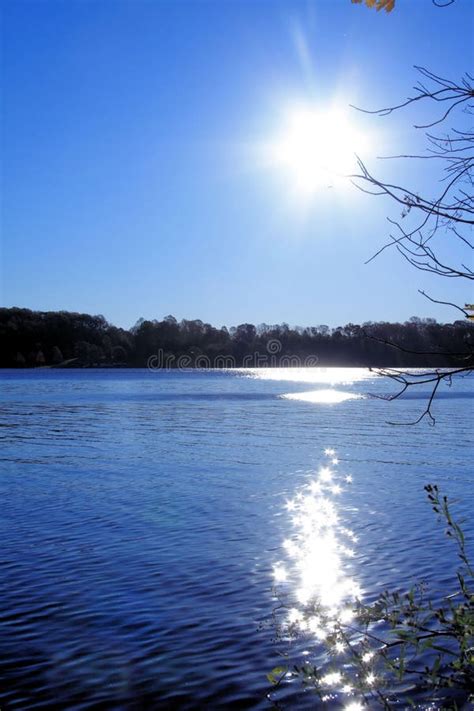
(143, 513)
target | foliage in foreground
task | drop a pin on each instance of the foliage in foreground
(400, 651)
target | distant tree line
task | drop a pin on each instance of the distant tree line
(64, 339)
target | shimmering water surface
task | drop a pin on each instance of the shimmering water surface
(145, 514)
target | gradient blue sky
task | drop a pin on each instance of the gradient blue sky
(131, 175)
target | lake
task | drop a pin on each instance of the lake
(143, 514)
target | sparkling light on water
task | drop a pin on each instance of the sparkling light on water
(317, 548)
(315, 571)
(354, 706)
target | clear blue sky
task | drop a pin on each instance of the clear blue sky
(131, 180)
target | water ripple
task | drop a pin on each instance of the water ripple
(141, 515)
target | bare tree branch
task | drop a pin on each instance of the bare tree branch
(408, 379)
(450, 214)
(432, 222)
(445, 303)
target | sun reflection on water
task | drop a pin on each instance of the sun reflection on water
(323, 376)
(314, 569)
(319, 545)
(323, 396)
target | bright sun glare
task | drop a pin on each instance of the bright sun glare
(317, 147)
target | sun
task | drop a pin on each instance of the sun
(317, 147)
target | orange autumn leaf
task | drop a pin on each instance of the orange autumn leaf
(386, 5)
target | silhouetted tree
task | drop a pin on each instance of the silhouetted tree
(54, 338)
